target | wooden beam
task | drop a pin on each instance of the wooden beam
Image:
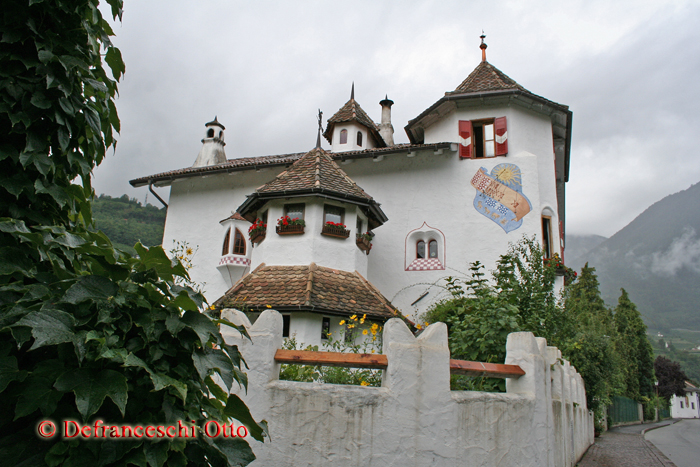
(491, 370)
(348, 360)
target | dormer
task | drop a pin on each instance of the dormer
(212, 152)
(351, 129)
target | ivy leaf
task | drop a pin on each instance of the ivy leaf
(49, 327)
(14, 260)
(201, 325)
(90, 389)
(210, 360)
(90, 288)
(236, 450)
(9, 372)
(156, 453)
(237, 409)
(115, 62)
(161, 381)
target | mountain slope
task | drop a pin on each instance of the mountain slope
(126, 221)
(656, 258)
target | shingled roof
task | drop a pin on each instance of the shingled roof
(308, 288)
(315, 169)
(352, 112)
(314, 173)
(487, 77)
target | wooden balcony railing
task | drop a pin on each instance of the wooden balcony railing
(380, 362)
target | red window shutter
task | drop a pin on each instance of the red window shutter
(466, 145)
(499, 125)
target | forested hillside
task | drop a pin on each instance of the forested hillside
(126, 221)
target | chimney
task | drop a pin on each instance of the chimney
(212, 152)
(386, 130)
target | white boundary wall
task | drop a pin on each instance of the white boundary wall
(414, 419)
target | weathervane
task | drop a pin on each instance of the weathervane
(320, 129)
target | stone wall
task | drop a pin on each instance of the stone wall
(414, 419)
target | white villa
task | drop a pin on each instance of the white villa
(486, 164)
(687, 406)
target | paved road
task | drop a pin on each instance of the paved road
(680, 442)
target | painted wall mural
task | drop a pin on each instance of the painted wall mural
(499, 196)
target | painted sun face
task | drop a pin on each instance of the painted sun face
(508, 173)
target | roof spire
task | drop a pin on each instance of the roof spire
(320, 129)
(483, 46)
(352, 92)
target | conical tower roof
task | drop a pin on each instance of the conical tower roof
(352, 112)
(487, 77)
(315, 173)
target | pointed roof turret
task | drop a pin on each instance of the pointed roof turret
(352, 112)
(314, 174)
(487, 77)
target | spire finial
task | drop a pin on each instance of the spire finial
(320, 129)
(483, 46)
(352, 92)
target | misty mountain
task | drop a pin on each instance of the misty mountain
(656, 258)
(578, 246)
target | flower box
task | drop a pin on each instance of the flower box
(363, 243)
(291, 229)
(338, 231)
(257, 237)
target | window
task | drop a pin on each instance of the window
(359, 138)
(420, 249)
(238, 243)
(333, 214)
(692, 405)
(210, 133)
(343, 136)
(286, 320)
(483, 138)
(349, 334)
(547, 236)
(681, 404)
(263, 217)
(227, 243)
(294, 211)
(325, 328)
(433, 249)
(358, 225)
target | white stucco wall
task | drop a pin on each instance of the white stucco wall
(414, 419)
(311, 246)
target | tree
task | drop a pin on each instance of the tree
(670, 377)
(89, 331)
(591, 345)
(634, 349)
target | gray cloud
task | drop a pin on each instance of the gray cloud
(625, 68)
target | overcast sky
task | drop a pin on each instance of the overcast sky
(629, 71)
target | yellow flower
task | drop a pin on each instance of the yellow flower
(374, 332)
(341, 322)
(372, 350)
(364, 383)
(364, 316)
(269, 306)
(418, 326)
(364, 332)
(212, 307)
(188, 251)
(362, 321)
(353, 317)
(350, 326)
(375, 326)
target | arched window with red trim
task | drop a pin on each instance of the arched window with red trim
(238, 243)
(227, 243)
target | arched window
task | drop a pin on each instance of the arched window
(343, 136)
(433, 249)
(359, 138)
(221, 134)
(238, 243)
(210, 133)
(227, 243)
(420, 249)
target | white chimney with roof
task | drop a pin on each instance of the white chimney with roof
(212, 152)
(386, 129)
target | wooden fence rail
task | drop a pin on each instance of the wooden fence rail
(380, 362)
